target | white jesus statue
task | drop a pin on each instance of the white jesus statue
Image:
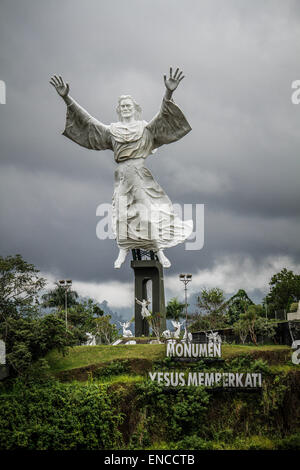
(143, 216)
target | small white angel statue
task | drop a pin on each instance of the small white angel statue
(91, 339)
(144, 303)
(173, 334)
(126, 333)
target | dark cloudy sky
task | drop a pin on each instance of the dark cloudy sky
(241, 159)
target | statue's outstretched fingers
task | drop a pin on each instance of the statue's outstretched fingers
(55, 80)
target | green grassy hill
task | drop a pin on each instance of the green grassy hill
(100, 397)
(82, 360)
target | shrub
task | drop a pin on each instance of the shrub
(114, 368)
(173, 414)
(193, 443)
(290, 443)
(293, 307)
(56, 416)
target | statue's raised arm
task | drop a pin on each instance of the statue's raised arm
(80, 126)
(170, 123)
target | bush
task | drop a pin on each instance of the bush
(172, 414)
(29, 339)
(56, 416)
(293, 307)
(253, 443)
(259, 365)
(114, 368)
(290, 443)
(193, 443)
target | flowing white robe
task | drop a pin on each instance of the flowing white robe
(143, 215)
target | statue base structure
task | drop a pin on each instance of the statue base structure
(148, 270)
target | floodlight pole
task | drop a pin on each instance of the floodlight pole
(66, 307)
(66, 285)
(185, 299)
(185, 278)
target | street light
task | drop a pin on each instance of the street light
(66, 284)
(185, 278)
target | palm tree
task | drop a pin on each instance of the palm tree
(56, 298)
(238, 305)
(175, 310)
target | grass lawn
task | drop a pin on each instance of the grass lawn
(231, 350)
(81, 356)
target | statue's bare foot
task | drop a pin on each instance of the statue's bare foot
(163, 259)
(121, 258)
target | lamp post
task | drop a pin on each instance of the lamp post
(185, 278)
(66, 285)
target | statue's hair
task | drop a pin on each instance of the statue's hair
(137, 107)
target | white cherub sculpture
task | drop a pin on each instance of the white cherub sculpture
(214, 337)
(126, 333)
(91, 340)
(144, 303)
(173, 334)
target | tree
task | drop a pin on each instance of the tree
(81, 318)
(30, 339)
(105, 331)
(253, 323)
(175, 310)
(20, 287)
(27, 335)
(265, 328)
(56, 298)
(81, 313)
(241, 328)
(212, 301)
(237, 305)
(213, 308)
(155, 322)
(251, 317)
(284, 290)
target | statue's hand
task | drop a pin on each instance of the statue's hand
(173, 81)
(61, 87)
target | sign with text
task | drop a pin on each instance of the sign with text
(207, 379)
(212, 349)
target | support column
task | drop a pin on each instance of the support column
(144, 271)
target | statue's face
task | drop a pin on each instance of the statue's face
(126, 108)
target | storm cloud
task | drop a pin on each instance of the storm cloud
(241, 159)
